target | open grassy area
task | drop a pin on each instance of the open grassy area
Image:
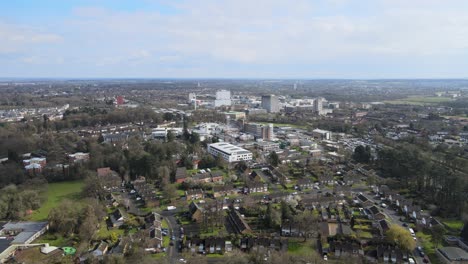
(453, 224)
(300, 248)
(420, 100)
(57, 192)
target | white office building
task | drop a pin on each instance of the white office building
(229, 152)
(223, 98)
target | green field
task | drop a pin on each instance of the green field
(57, 192)
(420, 100)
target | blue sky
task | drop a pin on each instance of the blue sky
(234, 38)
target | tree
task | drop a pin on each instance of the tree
(89, 223)
(170, 136)
(273, 159)
(438, 233)
(401, 237)
(170, 191)
(362, 154)
(64, 218)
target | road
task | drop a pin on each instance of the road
(395, 219)
(174, 230)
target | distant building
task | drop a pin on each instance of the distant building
(321, 134)
(259, 130)
(78, 157)
(256, 111)
(318, 105)
(119, 100)
(229, 152)
(270, 103)
(223, 98)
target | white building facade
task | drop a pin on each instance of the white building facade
(229, 152)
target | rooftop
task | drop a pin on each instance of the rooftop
(229, 149)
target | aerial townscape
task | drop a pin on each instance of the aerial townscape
(237, 171)
(233, 132)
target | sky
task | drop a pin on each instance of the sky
(297, 39)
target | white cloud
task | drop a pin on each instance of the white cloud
(16, 38)
(205, 34)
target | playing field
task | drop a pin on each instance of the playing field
(57, 192)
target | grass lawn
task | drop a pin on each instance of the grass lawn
(300, 247)
(57, 192)
(104, 233)
(54, 240)
(453, 224)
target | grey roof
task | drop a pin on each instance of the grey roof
(22, 237)
(4, 244)
(25, 226)
(454, 253)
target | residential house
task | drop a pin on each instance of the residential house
(304, 183)
(116, 219)
(224, 190)
(255, 187)
(238, 223)
(383, 226)
(78, 157)
(194, 194)
(201, 178)
(181, 175)
(326, 179)
(452, 255)
(364, 201)
(217, 176)
(346, 248)
(374, 213)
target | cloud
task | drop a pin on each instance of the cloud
(248, 37)
(15, 38)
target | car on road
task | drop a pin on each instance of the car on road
(422, 254)
(405, 224)
(182, 260)
(325, 257)
(172, 237)
(411, 261)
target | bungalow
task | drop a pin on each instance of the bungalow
(181, 174)
(194, 194)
